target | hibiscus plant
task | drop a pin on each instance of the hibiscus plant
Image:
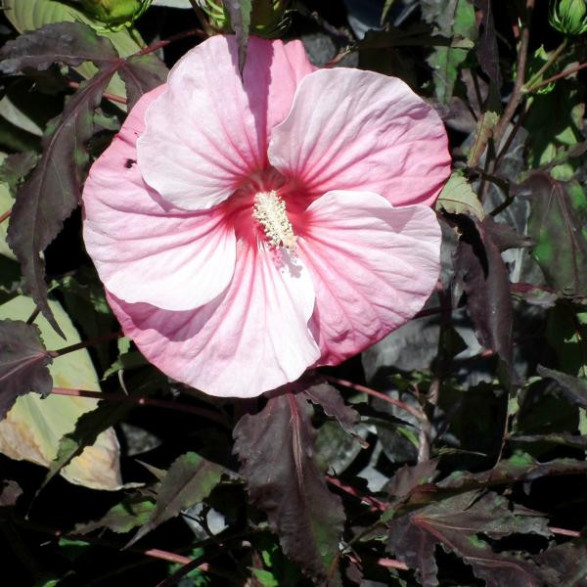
(293, 293)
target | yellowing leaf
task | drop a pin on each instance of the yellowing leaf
(34, 426)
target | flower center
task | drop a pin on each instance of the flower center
(269, 210)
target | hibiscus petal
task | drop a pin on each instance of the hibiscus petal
(144, 250)
(373, 267)
(359, 130)
(209, 132)
(253, 338)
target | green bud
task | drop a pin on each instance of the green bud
(569, 16)
(115, 13)
(269, 18)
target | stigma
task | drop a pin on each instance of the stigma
(269, 210)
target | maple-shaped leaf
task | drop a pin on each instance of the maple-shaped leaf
(276, 449)
(23, 363)
(63, 42)
(459, 524)
(53, 190)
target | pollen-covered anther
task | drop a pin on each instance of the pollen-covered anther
(270, 211)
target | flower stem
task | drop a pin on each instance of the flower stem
(5, 216)
(143, 401)
(372, 392)
(85, 343)
(527, 87)
(516, 96)
(558, 76)
(114, 98)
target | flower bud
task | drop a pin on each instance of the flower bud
(269, 18)
(569, 16)
(114, 13)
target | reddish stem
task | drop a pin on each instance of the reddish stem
(370, 501)
(558, 76)
(391, 563)
(363, 389)
(565, 532)
(85, 343)
(174, 38)
(142, 401)
(5, 216)
(112, 97)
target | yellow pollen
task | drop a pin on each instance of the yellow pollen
(270, 211)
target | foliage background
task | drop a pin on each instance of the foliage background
(451, 453)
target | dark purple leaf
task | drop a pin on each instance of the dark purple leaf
(10, 491)
(459, 524)
(70, 43)
(190, 480)
(504, 236)
(573, 388)
(23, 363)
(332, 403)
(276, 449)
(142, 73)
(520, 467)
(487, 51)
(483, 277)
(569, 561)
(410, 479)
(240, 20)
(559, 438)
(557, 223)
(53, 189)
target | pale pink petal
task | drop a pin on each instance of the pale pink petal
(373, 267)
(144, 250)
(253, 338)
(359, 130)
(208, 132)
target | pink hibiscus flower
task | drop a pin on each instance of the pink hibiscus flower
(246, 231)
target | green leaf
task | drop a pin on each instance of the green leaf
(566, 333)
(445, 61)
(457, 197)
(123, 517)
(549, 136)
(276, 449)
(190, 480)
(558, 224)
